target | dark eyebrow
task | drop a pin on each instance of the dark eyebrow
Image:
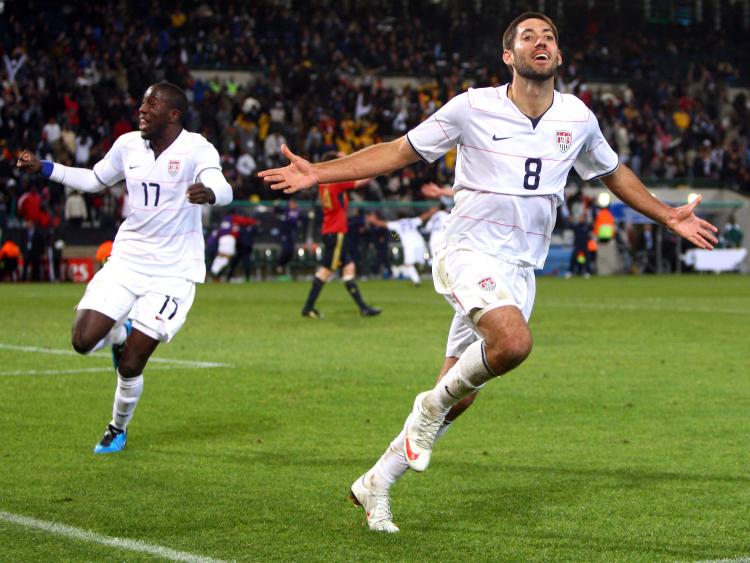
(545, 30)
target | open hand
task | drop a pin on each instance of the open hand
(296, 176)
(688, 225)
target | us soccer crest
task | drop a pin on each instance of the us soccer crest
(487, 284)
(564, 139)
(174, 167)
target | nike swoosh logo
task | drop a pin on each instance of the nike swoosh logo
(495, 138)
(409, 453)
(136, 166)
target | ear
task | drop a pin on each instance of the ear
(559, 58)
(174, 115)
(508, 57)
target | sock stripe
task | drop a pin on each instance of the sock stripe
(484, 361)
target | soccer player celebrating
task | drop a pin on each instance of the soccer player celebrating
(516, 144)
(144, 291)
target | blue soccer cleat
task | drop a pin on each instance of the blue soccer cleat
(114, 440)
(118, 349)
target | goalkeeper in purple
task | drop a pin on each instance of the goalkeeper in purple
(143, 293)
(516, 145)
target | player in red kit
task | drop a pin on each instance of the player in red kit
(334, 199)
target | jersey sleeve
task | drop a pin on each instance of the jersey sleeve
(439, 133)
(597, 158)
(110, 169)
(206, 156)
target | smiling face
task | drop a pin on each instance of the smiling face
(533, 54)
(155, 114)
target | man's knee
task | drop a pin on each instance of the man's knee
(82, 343)
(507, 353)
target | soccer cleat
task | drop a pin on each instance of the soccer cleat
(376, 504)
(118, 349)
(370, 311)
(114, 440)
(421, 429)
(312, 314)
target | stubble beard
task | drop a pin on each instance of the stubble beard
(529, 73)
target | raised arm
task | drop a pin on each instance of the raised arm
(81, 179)
(366, 163)
(681, 220)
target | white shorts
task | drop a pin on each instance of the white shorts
(158, 306)
(473, 283)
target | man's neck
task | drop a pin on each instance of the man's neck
(162, 143)
(531, 97)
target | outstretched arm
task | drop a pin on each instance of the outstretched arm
(366, 163)
(81, 179)
(680, 220)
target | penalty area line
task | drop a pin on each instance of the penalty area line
(93, 537)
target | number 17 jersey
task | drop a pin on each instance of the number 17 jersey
(511, 170)
(162, 234)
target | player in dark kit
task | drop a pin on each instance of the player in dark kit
(334, 199)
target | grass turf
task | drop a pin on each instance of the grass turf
(624, 436)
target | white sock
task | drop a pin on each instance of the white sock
(117, 335)
(126, 398)
(411, 273)
(468, 374)
(392, 464)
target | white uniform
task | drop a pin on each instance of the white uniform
(435, 226)
(510, 176)
(158, 253)
(411, 239)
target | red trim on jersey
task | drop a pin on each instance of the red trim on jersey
(515, 155)
(480, 220)
(335, 200)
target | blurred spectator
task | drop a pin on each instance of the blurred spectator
(10, 253)
(732, 234)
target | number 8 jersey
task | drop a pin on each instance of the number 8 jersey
(162, 234)
(511, 170)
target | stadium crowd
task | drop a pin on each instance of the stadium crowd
(71, 80)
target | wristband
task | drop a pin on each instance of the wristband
(47, 168)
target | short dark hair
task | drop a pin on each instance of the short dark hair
(509, 35)
(173, 95)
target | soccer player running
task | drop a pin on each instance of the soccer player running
(144, 291)
(516, 144)
(334, 198)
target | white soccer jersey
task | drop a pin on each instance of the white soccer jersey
(412, 240)
(510, 174)
(162, 234)
(435, 226)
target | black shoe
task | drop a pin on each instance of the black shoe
(312, 314)
(370, 311)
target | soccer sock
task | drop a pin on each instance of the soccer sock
(468, 374)
(411, 272)
(315, 290)
(117, 335)
(126, 398)
(392, 464)
(351, 287)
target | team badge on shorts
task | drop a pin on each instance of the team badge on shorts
(564, 139)
(487, 284)
(174, 167)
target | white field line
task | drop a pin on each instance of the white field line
(92, 537)
(645, 306)
(84, 370)
(738, 560)
(57, 351)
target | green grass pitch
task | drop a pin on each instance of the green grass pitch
(624, 437)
